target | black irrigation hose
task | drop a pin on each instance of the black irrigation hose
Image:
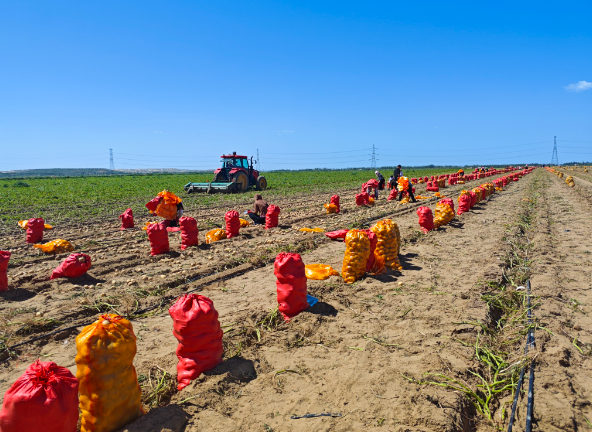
(529, 343)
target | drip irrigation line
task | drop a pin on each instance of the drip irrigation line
(529, 344)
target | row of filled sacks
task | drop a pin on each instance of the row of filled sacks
(105, 394)
(568, 180)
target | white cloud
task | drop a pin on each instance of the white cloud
(579, 86)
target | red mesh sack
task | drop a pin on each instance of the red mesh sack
(291, 284)
(196, 327)
(35, 227)
(473, 198)
(4, 259)
(414, 180)
(152, 204)
(373, 241)
(335, 200)
(426, 219)
(127, 219)
(189, 232)
(448, 202)
(337, 234)
(233, 223)
(44, 398)
(271, 218)
(392, 195)
(372, 183)
(159, 238)
(413, 189)
(362, 199)
(74, 266)
(464, 204)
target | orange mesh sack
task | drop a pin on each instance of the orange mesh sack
(403, 184)
(389, 241)
(356, 256)
(215, 235)
(319, 271)
(56, 246)
(167, 208)
(243, 223)
(110, 396)
(331, 208)
(477, 192)
(443, 215)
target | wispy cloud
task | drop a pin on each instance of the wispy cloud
(284, 131)
(579, 86)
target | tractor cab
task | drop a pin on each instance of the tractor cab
(236, 174)
(231, 165)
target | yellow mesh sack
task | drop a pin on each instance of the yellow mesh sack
(110, 396)
(244, 223)
(56, 246)
(443, 215)
(477, 192)
(570, 181)
(331, 208)
(319, 271)
(388, 244)
(356, 255)
(370, 200)
(319, 230)
(215, 235)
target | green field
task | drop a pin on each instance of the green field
(83, 198)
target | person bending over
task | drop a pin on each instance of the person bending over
(258, 216)
(380, 178)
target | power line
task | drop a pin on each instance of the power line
(111, 163)
(373, 161)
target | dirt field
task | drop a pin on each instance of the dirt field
(364, 350)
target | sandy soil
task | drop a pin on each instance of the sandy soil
(362, 350)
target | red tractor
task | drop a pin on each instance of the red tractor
(235, 175)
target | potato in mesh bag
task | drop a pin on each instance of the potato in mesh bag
(389, 241)
(215, 235)
(443, 215)
(356, 255)
(56, 246)
(110, 396)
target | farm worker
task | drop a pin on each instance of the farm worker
(175, 222)
(372, 188)
(398, 172)
(402, 182)
(380, 180)
(390, 182)
(258, 216)
(461, 172)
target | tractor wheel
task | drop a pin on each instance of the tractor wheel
(261, 183)
(242, 179)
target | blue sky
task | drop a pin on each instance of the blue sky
(309, 84)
